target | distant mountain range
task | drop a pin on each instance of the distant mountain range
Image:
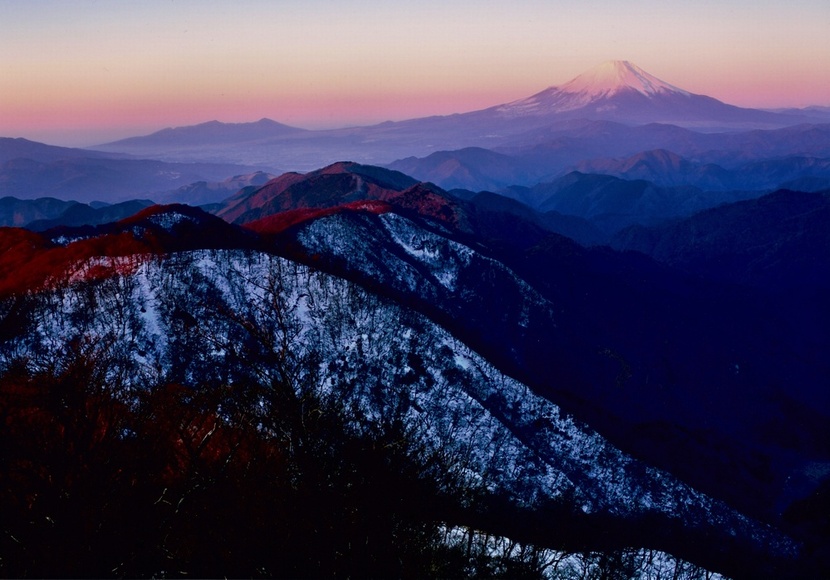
(46, 213)
(667, 154)
(611, 203)
(666, 168)
(615, 119)
(30, 170)
(19, 148)
(212, 132)
(616, 91)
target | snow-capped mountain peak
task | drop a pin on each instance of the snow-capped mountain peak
(613, 76)
(597, 86)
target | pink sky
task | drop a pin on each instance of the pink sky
(85, 72)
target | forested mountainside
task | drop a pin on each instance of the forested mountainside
(377, 363)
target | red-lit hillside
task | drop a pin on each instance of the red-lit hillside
(343, 184)
(279, 222)
(32, 261)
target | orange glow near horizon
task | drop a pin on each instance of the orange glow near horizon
(101, 119)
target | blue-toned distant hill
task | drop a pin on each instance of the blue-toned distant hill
(210, 192)
(17, 148)
(47, 212)
(19, 213)
(30, 170)
(81, 214)
(669, 169)
(665, 154)
(204, 134)
(611, 203)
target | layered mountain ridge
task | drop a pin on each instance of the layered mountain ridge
(575, 322)
(415, 263)
(617, 91)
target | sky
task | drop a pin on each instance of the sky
(83, 72)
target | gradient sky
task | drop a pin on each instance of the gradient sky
(82, 72)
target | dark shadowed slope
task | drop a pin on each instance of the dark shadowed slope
(778, 241)
(473, 168)
(611, 203)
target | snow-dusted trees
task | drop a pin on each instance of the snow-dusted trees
(269, 419)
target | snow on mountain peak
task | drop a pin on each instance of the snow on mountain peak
(606, 80)
(614, 75)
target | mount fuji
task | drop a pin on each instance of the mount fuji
(613, 78)
(618, 90)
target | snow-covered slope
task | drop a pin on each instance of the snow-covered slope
(394, 318)
(223, 317)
